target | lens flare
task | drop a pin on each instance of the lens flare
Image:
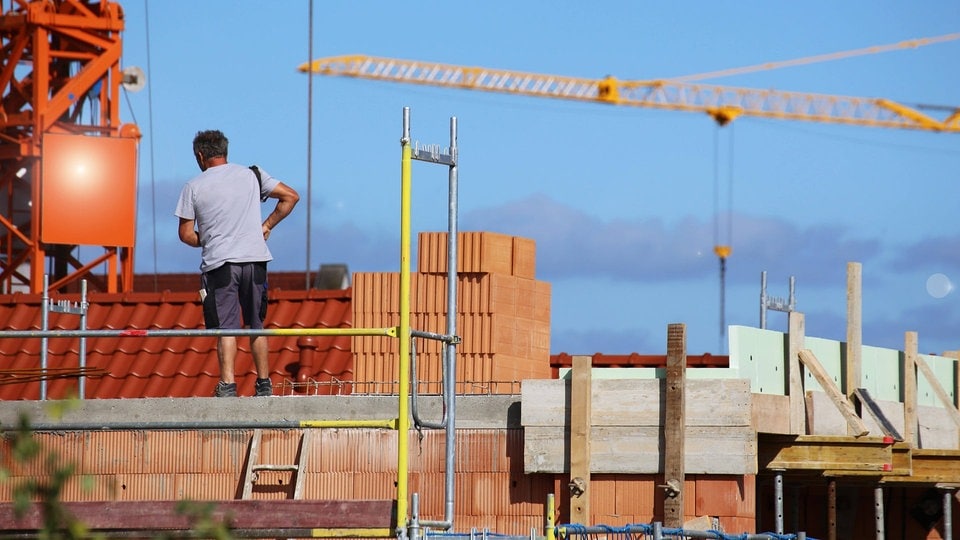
(939, 285)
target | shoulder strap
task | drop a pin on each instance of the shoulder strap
(256, 171)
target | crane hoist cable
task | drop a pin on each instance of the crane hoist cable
(722, 250)
(767, 66)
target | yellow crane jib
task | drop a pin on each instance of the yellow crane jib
(722, 103)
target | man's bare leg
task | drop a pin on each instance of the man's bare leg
(227, 355)
(260, 349)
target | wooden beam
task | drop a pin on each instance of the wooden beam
(796, 331)
(854, 331)
(236, 514)
(855, 425)
(581, 390)
(867, 402)
(910, 389)
(816, 454)
(674, 426)
(939, 391)
(929, 466)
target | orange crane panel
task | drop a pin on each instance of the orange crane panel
(60, 59)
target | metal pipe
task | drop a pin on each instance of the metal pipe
(763, 299)
(948, 514)
(415, 395)
(657, 531)
(404, 329)
(84, 305)
(234, 533)
(432, 335)
(44, 327)
(450, 349)
(135, 332)
(388, 423)
(448, 360)
(550, 527)
(878, 512)
(778, 501)
(414, 528)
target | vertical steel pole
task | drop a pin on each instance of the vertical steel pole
(450, 375)
(44, 326)
(763, 299)
(83, 340)
(549, 532)
(309, 140)
(414, 517)
(878, 512)
(778, 500)
(948, 514)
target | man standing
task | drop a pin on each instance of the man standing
(219, 212)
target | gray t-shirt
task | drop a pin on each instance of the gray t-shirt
(225, 202)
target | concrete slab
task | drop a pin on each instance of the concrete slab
(249, 412)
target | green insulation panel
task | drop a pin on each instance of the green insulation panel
(760, 356)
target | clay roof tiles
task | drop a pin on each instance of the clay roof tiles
(163, 366)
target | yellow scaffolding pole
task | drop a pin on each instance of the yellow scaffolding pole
(403, 422)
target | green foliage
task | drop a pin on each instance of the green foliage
(204, 523)
(44, 489)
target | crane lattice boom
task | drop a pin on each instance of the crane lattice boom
(723, 103)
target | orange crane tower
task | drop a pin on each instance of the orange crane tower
(67, 163)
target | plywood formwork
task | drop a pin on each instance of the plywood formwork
(627, 425)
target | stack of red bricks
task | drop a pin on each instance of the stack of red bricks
(503, 317)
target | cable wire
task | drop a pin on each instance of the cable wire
(153, 184)
(309, 139)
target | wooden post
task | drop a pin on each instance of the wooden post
(580, 404)
(854, 330)
(910, 389)
(796, 330)
(674, 425)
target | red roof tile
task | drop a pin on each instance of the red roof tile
(176, 366)
(180, 366)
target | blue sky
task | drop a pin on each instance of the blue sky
(622, 202)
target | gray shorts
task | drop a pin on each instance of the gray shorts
(236, 296)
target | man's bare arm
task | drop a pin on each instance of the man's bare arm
(188, 233)
(287, 198)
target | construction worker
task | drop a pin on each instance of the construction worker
(219, 212)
